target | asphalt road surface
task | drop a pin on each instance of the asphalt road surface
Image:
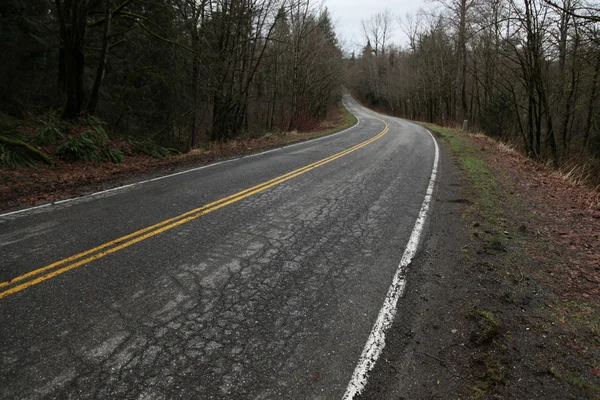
(193, 286)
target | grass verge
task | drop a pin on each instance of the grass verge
(479, 177)
(486, 217)
(528, 334)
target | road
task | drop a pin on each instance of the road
(260, 277)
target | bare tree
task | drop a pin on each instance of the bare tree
(526, 71)
(377, 30)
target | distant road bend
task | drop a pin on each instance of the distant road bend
(259, 277)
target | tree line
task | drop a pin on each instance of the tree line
(524, 71)
(174, 71)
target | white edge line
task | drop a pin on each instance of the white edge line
(181, 172)
(376, 341)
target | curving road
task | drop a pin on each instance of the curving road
(260, 277)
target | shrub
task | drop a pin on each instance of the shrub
(84, 147)
(11, 128)
(47, 135)
(90, 145)
(115, 156)
(151, 149)
(15, 152)
(13, 156)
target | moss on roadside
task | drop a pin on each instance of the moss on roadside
(486, 217)
(575, 380)
(480, 178)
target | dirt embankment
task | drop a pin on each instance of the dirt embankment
(504, 300)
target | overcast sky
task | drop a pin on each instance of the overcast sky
(347, 15)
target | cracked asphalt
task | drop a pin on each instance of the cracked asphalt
(272, 296)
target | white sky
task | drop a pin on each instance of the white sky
(347, 16)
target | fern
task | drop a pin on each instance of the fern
(115, 156)
(96, 130)
(89, 146)
(97, 135)
(12, 156)
(151, 149)
(11, 128)
(81, 147)
(16, 152)
(47, 135)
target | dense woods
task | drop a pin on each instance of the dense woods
(175, 72)
(180, 73)
(525, 71)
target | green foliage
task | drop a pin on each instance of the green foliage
(10, 128)
(13, 156)
(90, 145)
(151, 149)
(82, 147)
(349, 118)
(16, 152)
(115, 156)
(95, 124)
(47, 135)
(50, 129)
(97, 132)
(488, 326)
(480, 176)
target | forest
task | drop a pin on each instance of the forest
(172, 73)
(523, 71)
(178, 74)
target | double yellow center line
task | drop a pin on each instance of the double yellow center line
(60, 267)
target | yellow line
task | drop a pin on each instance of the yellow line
(139, 232)
(168, 224)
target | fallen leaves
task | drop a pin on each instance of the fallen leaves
(563, 220)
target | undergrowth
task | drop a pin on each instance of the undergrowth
(49, 138)
(47, 135)
(150, 148)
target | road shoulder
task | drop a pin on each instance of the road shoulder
(485, 314)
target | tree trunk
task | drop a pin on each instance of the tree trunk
(61, 79)
(195, 87)
(462, 61)
(590, 110)
(95, 94)
(73, 27)
(74, 62)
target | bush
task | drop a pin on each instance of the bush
(83, 147)
(47, 135)
(16, 152)
(151, 149)
(89, 145)
(13, 156)
(11, 128)
(115, 156)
